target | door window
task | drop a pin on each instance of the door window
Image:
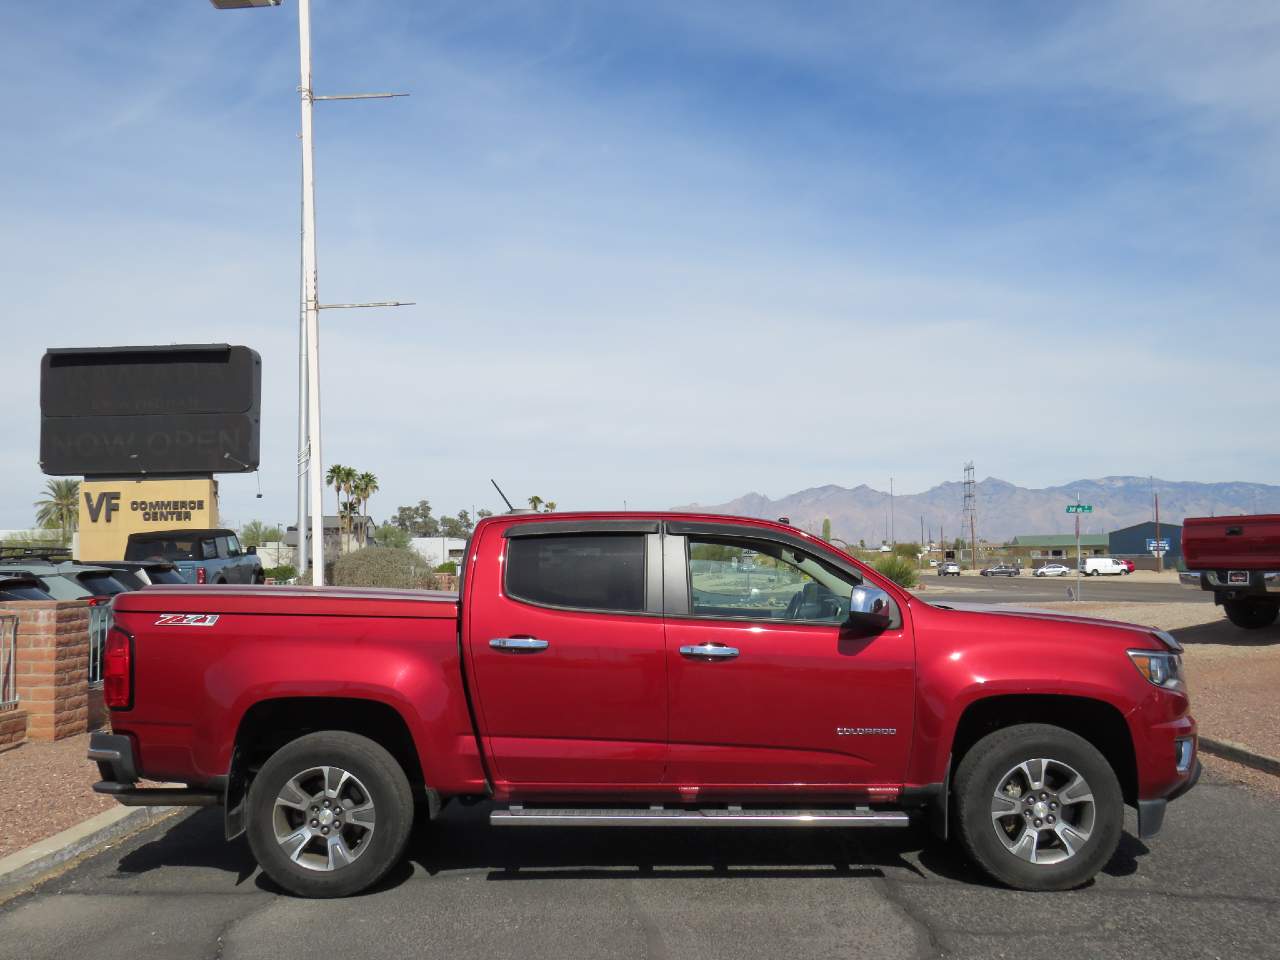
(763, 580)
(585, 572)
(233, 545)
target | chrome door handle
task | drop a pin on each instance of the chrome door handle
(519, 644)
(709, 651)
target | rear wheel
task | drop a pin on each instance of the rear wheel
(1251, 614)
(329, 814)
(1038, 807)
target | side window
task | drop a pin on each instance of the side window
(763, 580)
(233, 546)
(582, 571)
(208, 549)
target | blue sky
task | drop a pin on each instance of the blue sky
(668, 252)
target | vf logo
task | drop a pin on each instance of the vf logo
(108, 501)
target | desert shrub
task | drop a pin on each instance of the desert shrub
(280, 573)
(898, 569)
(389, 535)
(449, 566)
(382, 567)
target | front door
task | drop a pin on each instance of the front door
(566, 644)
(769, 686)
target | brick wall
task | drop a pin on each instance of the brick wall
(53, 666)
(13, 728)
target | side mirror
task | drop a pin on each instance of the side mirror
(870, 607)
(252, 551)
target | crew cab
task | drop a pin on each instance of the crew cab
(199, 556)
(604, 670)
(1238, 559)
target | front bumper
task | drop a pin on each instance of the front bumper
(113, 753)
(1151, 812)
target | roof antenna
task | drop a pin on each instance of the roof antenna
(501, 494)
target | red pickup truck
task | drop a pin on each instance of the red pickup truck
(651, 670)
(1238, 558)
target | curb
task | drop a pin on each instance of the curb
(42, 859)
(1228, 750)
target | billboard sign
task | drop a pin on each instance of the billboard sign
(150, 411)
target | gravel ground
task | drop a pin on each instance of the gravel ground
(44, 789)
(1233, 675)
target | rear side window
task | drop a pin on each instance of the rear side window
(585, 572)
(22, 591)
(101, 584)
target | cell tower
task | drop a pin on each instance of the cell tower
(971, 512)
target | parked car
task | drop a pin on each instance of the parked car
(1052, 570)
(200, 556)
(68, 580)
(1001, 570)
(949, 568)
(1129, 565)
(1103, 567)
(618, 670)
(21, 586)
(1238, 559)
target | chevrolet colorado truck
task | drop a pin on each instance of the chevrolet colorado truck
(1238, 558)
(633, 670)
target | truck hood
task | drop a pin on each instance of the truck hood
(1053, 616)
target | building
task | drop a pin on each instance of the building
(438, 550)
(1037, 549)
(1138, 543)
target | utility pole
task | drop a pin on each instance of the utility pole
(1159, 549)
(893, 540)
(971, 508)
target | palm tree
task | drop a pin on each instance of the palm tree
(365, 486)
(60, 507)
(536, 502)
(549, 507)
(334, 479)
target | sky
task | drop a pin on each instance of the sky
(667, 252)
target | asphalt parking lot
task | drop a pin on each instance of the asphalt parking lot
(1208, 886)
(1028, 589)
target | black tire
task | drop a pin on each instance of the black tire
(388, 790)
(1251, 614)
(979, 776)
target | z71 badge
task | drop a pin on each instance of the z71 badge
(187, 620)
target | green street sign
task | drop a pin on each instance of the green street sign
(1080, 508)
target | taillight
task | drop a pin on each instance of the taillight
(202, 575)
(117, 670)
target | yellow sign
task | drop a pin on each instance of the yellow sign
(110, 510)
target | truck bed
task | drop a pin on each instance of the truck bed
(1232, 543)
(314, 601)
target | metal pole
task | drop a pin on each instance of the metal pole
(303, 456)
(311, 299)
(1079, 560)
(1159, 551)
(893, 539)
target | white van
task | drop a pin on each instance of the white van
(1103, 566)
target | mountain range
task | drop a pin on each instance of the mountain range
(1004, 510)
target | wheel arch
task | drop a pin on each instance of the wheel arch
(269, 724)
(1098, 722)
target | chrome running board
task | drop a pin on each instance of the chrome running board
(519, 816)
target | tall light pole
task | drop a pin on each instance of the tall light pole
(310, 460)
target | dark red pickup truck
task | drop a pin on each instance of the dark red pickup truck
(650, 670)
(1238, 558)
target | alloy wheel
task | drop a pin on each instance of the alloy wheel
(1043, 811)
(323, 818)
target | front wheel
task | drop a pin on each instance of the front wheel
(1038, 807)
(329, 814)
(1251, 614)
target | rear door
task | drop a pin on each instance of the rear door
(770, 689)
(564, 628)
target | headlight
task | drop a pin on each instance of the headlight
(1162, 669)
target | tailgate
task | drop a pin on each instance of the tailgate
(1232, 543)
